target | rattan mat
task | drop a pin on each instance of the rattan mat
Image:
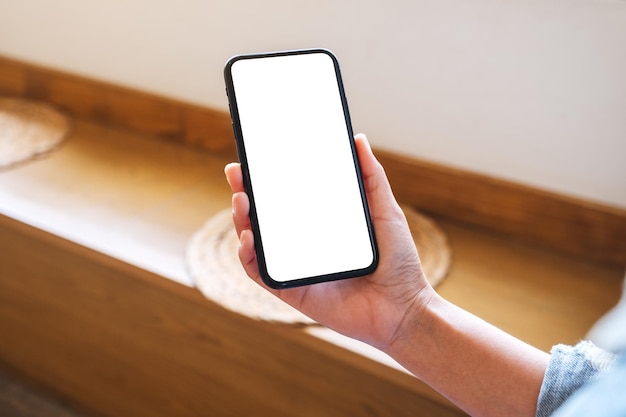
(213, 263)
(28, 130)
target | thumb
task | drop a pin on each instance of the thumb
(377, 188)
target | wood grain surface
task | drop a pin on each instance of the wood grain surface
(576, 227)
(20, 400)
(124, 107)
(109, 337)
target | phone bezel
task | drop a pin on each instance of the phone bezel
(241, 151)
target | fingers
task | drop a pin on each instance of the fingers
(241, 219)
(240, 202)
(234, 176)
(241, 212)
(379, 194)
(247, 255)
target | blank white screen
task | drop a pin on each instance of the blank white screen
(302, 173)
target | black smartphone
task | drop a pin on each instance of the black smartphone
(309, 212)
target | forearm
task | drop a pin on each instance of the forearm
(480, 368)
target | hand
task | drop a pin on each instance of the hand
(479, 367)
(371, 308)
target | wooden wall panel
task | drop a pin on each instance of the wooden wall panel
(537, 217)
(124, 107)
(113, 338)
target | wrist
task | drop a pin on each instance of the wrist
(467, 359)
(415, 324)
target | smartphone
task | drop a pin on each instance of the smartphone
(308, 209)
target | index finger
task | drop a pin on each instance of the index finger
(234, 176)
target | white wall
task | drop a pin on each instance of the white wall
(528, 90)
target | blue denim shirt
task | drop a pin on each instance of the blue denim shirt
(605, 397)
(583, 380)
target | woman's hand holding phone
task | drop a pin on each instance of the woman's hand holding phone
(373, 308)
(396, 310)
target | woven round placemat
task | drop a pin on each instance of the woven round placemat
(432, 245)
(28, 129)
(213, 264)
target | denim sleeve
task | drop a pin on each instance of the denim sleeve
(570, 367)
